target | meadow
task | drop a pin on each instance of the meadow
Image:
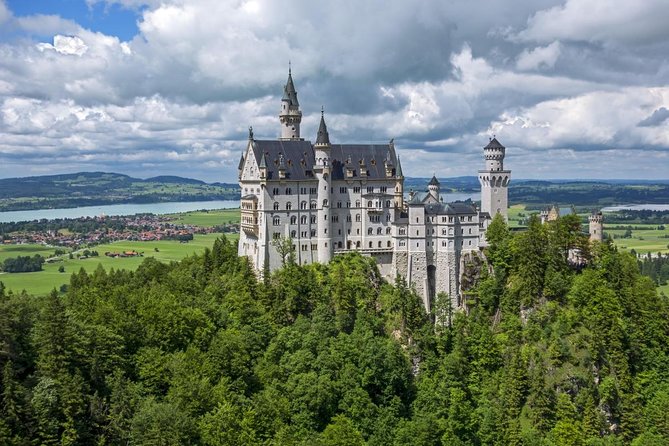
(646, 238)
(42, 282)
(207, 218)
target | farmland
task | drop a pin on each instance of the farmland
(42, 282)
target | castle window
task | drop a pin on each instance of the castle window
(357, 217)
(378, 231)
(312, 205)
(403, 243)
(369, 204)
(314, 247)
(387, 230)
(339, 246)
(469, 218)
(293, 234)
(403, 231)
(379, 244)
(276, 206)
(303, 219)
(339, 204)
(348, 204)
(304, 247)
(370, 189)
(304, 234)
(387, 203)
(335, 218)
(348, 218)
(369, 231)
(383, 189)
(357, 231)
(303, 190)
(356, 190)
(370, 244)
(450, 219)
(388, 244)
(470, 230)
(342, 190)
(387, 217)
(303, 205)
(313, 233)
(293, 220)
(450, 231)
(276, 221)
(289, 191)
(357, 203)
(276, 235)
(312, 219)
(470, 243)
(325, 203)
(312, 190)
(275, 191)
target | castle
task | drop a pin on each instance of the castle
(330, 199)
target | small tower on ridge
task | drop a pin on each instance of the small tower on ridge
(290, 115)
(322, 171)
(433, 188)
(596, 227)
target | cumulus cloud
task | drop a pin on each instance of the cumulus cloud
(544, 75)
(71, 45)
(539, 57)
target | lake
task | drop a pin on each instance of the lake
(117, 209)
(152, 208)
(637, 207)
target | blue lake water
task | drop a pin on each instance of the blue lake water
(637, 207)
(152, 208)
(117, 209)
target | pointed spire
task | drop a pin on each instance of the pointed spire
(323, 137)
(434, 181)
(263, 161)
(241, 162)
(289, 92)
(399, 168)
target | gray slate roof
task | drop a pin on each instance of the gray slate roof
(494, 144)
(289, 92)
(298, 158)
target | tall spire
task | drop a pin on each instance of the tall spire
(399, 168)
(323, 137)
(289, 92)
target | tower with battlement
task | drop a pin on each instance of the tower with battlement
(494, 180)
(596, 226)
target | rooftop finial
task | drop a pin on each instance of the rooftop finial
(250, 132)
(289, 68)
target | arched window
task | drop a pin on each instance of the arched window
(369, 204)
(276, 221)
(378, 231)
(387, 203)
(293, 234)
(289, 206)
(379, 244)
(313, 219)
(293, 220)
(369, 231)
(357, 244)
(312, 205)
(357, 203)
(370, 244)
(303, 219)
(357, 217)
(303, 205)
(388, 231)
(388, 244)
(276, 206)
(325, 203)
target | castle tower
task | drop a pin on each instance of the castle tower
(290, 115)
(494, 180)
(433, 188)
(322, 171)
(596, 227)
(399, 185)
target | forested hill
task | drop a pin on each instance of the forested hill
(200, 352)
(97, 188)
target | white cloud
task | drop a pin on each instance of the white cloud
(71, 45)
(539, 57)
(5, 14)
(600, 21)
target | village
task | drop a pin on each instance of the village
(91, 231)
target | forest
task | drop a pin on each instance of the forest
(23, 264)
(201, 352)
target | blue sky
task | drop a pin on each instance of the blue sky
(573, 88)
(111, 19)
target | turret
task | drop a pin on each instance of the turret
(399, 185)
(596, 226)
(433, 188)
(494, 180)
(290, 115)
(322, 172)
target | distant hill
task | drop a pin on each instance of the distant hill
(98, 188)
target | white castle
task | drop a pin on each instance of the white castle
(331, 199)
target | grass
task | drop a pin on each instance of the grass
(663, 289)
(207, 218)
(516, 213)
(42, 282)
(650, 239)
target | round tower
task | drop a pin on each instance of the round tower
(290, 115)
(322, 171)
(596, 227)
(494, 180)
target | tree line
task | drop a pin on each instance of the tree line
(202, 352)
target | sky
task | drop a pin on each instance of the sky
(572, 88)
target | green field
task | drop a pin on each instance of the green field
(517, 213)
(44, 281)
(207, 218)
(643, 241)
